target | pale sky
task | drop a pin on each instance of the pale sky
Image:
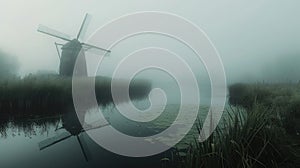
(247, 34)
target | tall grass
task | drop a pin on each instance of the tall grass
(247, 139)
(40, 100)
(43, 94)
(285, 98)
(257, 132)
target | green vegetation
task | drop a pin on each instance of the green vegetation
(247, 138)
(283, 98)
(41, 94)
(246, 95)
(261, 129)
(38, 101)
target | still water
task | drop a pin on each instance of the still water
(21, 141)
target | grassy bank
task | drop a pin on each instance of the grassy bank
(247, 138)
(39, 101)
(283, 98)
(260, 130)
(44, 94)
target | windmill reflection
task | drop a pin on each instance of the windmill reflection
(72, 127)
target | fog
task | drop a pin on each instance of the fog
(8, 65)
(257, 40)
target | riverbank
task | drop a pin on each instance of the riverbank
(261, 130)
(43, 94)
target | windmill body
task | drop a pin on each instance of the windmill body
(70, 52)
(73, 49)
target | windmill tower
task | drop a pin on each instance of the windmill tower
(72, 49)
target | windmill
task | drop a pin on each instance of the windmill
(72, 128)
(72, 49)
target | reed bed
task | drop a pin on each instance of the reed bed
(247, 138)
(43, 94)
(260, 129)
(37, 101)
(284, 98)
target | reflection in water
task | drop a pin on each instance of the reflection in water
(27, 125)
(71, 123)
(73, 148)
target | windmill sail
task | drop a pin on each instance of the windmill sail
(84, 148)
(51, 141)
(95, 50)
(83, 28)
(54, 33)
(95, 127)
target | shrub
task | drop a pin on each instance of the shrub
(241, 95)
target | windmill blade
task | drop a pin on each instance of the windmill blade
(83, 28)
(54, 33)
(95, 127)
(51, 141)
(94, 49)
(56, 129)
(84, 149)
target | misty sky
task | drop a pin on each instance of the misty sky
(247, 34)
